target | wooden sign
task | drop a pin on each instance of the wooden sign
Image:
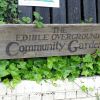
(25, 41)
(42, 3)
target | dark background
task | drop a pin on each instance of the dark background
(70, 11)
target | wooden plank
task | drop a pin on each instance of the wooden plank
(25, 12)
(59, 14)
(74, 11)
(45, 13)
(89, 10)
(25, 41)
(98, 10)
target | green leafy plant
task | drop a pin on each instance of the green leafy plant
(8, 10)
(1, 22)
(87, 66)
(52, 68)
(23, 20)
(84, 88)
(3, 8)
(90, 20)
(26, 20)
(38, 20)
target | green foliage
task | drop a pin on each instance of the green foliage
(3, 7)
(23, 20)
(8, 10)
(91, 64)
(38, 20)
(52, 68)
(9, 14)
(26, 20)
(90, 20)
(84, 88)
(12, 11)
(1, 22)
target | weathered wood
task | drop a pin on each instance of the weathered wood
(25, 12)
(90, 10)
(70, 11)
(25, 41)
(74, 11)
(59, 14)
(98, 10)
(45, 13)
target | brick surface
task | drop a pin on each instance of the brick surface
(60, 95)
(2, 89)
(81, 94)
(63, 90)
(92, 93)
(71, 94)
(35, 97)
(9, 97)
(48, 97)
(92, 98)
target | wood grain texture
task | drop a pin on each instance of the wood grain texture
(70, 11)
(45, 13)
(59, 14)
(26, 41)
(25, 12)
(74, 11)
(90, 10)
(98, 10)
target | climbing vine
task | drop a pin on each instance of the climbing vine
(8, 10)
(52, 68)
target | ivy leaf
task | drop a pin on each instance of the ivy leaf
(76, 59)
(6, 82)
(37, 16)
(84, 88)
(3, 64)
(25, 20)
(98, 63)
(89, 65)
(50, 62)
(14, 73)
(12, 67)
(38, 24)
(29, 63)
(14, 82)
(3, 73)
(3, 68)
(87, 58)
(66, 73)
(38, 20)
(22, 65)
(37, 77)
(71, 78)
(98, 53)
(85, 73)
